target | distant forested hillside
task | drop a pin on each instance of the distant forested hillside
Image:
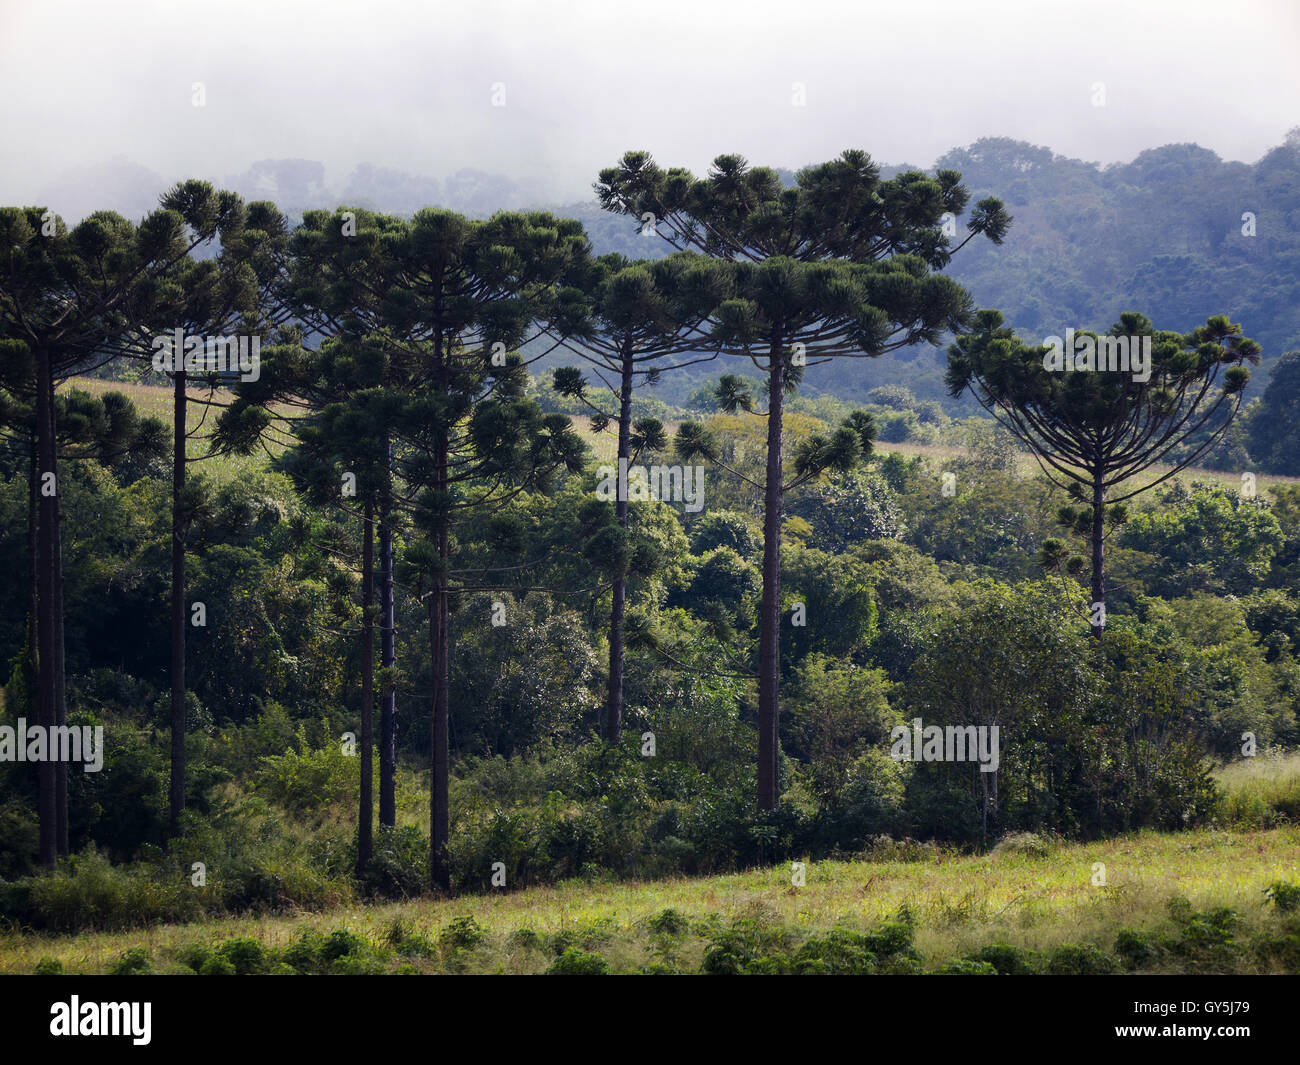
(1163, 234)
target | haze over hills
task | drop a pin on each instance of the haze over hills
(1178, 233)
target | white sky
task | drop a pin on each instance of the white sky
(408, 84)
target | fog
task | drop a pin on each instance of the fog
(548, 93)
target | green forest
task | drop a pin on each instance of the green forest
(370, 561)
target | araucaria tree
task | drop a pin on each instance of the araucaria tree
(333, 405)
(204, 317)
(67, 300)
(1098, 411)
(460, 296)
(632, 321)
(839, 264)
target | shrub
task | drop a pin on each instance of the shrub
(1134, 948)
(135, 962)
(248, 956)
(1071, 959)
(1006, 959)
(305, 953)
(341, 943)
(48, 967)
(739, 949)
(1284, 894)
(87, 891)
(215, 965)
(464, 933)
(839, 952)
(1030, 844)
(194, 956)
(312, 781)
(577, 962)
(967, 967)
(890, 939)
(399, 864)
(669, 923)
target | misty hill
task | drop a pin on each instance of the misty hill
(1168, 234)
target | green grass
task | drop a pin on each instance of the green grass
(1036, 897)
(1262, 791)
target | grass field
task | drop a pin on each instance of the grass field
(1028, 893)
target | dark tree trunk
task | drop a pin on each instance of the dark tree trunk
(365, 819)
(176, 791)
(387, 656)
(769, 653)
(439, 818)
(1098, 555)
(439, 737)
(33, 585)
(47, 511)
(618, 608)
(60, 687)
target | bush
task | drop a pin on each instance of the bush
(399, 863)
(1070, 959)
(578, 962)
(86, 891)
(248, 956)
(1134, 948)
(464, 933)
(1284, 894)
(341, 943)
(669, 923)
(48, 967)
(215, 965)
(1007, 960)
(305, 954)
(967, 967)
(312, 781)
(135, 962)
(838, 953)
(739, 949)
(525, 939)
(1029, 844)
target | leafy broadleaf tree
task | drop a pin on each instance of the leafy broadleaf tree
(839, 264)
(1096, 430)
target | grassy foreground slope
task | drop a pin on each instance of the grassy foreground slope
(1181, 902)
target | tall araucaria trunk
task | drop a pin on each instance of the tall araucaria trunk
(176, 791)
(365, 819)
(618, 609)
(769, 677)
(47, 597)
